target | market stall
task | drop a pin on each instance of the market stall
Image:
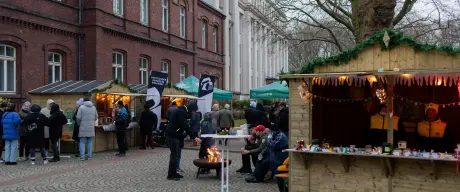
(335, 101)
(190, 85)
(104, 95)
(275, 90)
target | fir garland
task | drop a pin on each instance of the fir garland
(397, 38)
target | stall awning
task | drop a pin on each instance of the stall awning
(275, 90)
(129, 94)
(190, 85)
(70, 87)
(183, 96)
(140, 88)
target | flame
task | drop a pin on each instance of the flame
(213, 154)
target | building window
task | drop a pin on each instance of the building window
(54, 67)
(143, 71)
(118, 7)
(182, 22)
(165, 20)
(165, 68)
(144, 12)
(7, 68)
(203, 34)
(221, 4)
(117, 66)
(182, 72)
(214, 39)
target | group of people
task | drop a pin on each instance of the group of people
(27, 127)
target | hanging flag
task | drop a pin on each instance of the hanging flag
(157, 82)
(205, 93)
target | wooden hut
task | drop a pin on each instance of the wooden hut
(332, 98)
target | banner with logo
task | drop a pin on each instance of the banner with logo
(205, 93)
(157, 82)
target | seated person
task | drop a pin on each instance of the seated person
(272, 156)
(377, 134)
(431, 133)
(284, 168)
(254, 149)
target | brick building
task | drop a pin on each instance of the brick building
(51, 40)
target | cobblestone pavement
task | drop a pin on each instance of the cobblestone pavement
(140, 170)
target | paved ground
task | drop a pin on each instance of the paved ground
(139, 171)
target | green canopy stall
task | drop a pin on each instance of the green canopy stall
(275, 90)
(191, 84)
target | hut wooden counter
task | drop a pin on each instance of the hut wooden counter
(338, 103)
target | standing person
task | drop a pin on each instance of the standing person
(260, 116)
(225, 119)
(377, 133)
(128, 120)
(195, 124)
(174, 132)
(147, 123)
(76, 126)
(433, 133)
(3, 107)
(35, 123)
(171, 110)
(55, 123)
(121, 122)
(206, 128)
(249, 115)
(215, 117)
(10, 123)
(86, 119)
(47, 112)
(25, 110)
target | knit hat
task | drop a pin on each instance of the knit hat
(55, 108)
(80, 102)
(259, 128)
(432, 106)
(253, 104)
(35, 108)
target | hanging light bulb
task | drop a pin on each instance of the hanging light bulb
(381, 94)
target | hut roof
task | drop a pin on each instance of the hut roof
(70, 87)
(139, 88)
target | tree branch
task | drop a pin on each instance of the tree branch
(407, 6)
(337, 17)
(341, 9)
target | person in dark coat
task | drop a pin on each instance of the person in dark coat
(147, 122)
(249, 115)
(55, 123)
(25, 110)
(206, 128)
(171, 110)
(260, 116)
(121, 123)
(195, 124)
(76, 126)
(174, 133)
(35, 123)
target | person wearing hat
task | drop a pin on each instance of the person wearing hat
(55, 123)
(147, 123)
(35, 123)
(378, 130)
(23, 148)
(258, 142)
(178, 124)
(76, 126)
(432, 131)
(272, 156)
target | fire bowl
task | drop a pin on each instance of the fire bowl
(203, 164)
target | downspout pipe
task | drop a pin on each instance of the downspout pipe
(79, 39)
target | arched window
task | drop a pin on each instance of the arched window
(117, 66)
(165, 68)
(54, 67)
(143, 71)
(204, 26)
(182, 72)
(7, 68)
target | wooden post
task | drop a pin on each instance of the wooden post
(390, 84)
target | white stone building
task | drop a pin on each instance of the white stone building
(255, 44)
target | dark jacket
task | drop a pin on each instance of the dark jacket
(225, 119)
(10, 123)
(260, 117)
(275, 146)
(147, 122)
(56, 121)
(178, 122)
(195, 122)
(249, 116)
(23, 128)
(260, 144)
(207, 128)
(35, 123)
(121, 120)
(76, 127)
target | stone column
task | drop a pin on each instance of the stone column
(226, 46)
(236, 47)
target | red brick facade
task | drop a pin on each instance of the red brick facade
(35, 28)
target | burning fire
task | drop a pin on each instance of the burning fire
(213, 154)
